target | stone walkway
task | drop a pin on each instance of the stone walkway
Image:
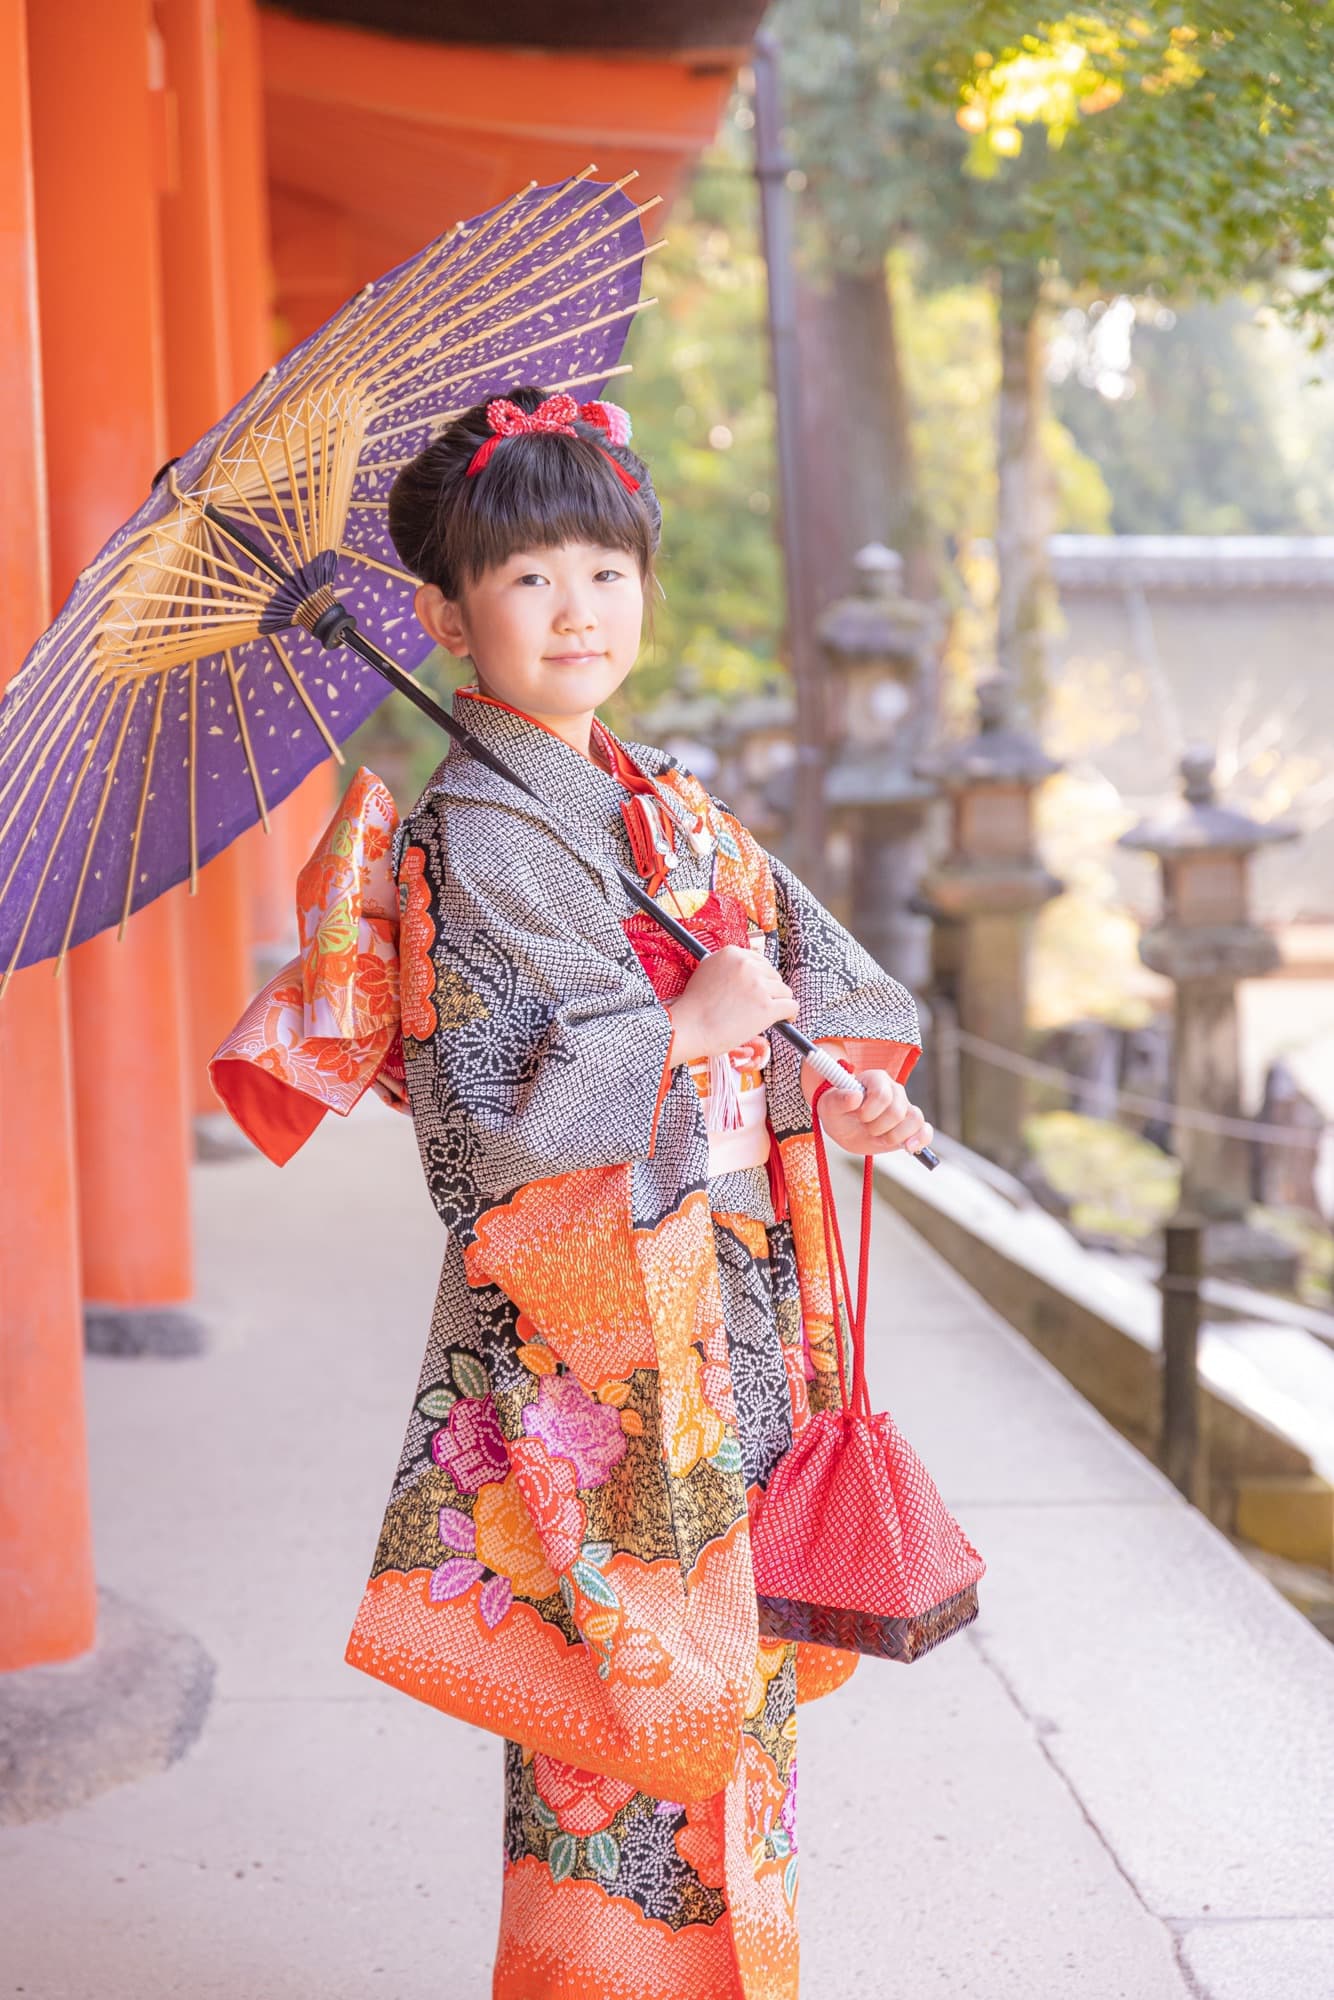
(1116, 1786)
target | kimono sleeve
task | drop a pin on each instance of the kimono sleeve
(843, 996)
(534, 1044)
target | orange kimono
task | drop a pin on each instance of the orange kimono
(624, 1344)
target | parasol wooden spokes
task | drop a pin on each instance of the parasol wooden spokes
(188, 685)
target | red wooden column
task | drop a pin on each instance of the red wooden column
(46, 1559)
(201, 382)
(245, 222)
(100, 136)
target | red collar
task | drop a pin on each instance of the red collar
(622, 764)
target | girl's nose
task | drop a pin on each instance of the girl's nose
(576, 618)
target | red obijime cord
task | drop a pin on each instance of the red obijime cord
(860, 1401)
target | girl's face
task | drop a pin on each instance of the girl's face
(553, 632)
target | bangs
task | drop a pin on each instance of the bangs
(537, 493)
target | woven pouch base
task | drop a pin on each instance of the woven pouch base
(903, 1639)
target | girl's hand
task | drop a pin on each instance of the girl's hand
(392, 1091)
(883, 1121)
(733, 995)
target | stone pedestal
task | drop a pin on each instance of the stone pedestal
(981, 900)
(879, 650)
(1205, 943)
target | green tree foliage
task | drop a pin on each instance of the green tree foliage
(1211, 427)
(883, 157)
(1186, 146)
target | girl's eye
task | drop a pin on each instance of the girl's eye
(533, 576)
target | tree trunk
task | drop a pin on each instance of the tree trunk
(862, 471)
(1023, 508)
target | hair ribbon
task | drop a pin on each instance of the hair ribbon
(555, 413)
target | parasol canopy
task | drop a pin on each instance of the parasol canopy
(197, 671)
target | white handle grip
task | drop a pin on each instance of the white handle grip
(830, 1070)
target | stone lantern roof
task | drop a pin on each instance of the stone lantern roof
(684, 710)
(771, 708)
(1198, 822)
(877, 621)
(999, 754)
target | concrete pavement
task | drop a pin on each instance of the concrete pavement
(1115, 1786)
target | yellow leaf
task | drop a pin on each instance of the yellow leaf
(537, 1359)
(600, 1626)
(614, 1393)
(632, 1423)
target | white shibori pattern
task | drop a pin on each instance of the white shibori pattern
(162, 713)
(537, 1064)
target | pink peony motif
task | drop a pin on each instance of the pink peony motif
(471, 1447)
(573, 1425)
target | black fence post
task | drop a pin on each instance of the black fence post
(1181, 1450)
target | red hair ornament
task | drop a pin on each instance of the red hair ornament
(556, 413)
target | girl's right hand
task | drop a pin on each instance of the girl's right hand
(733, 995)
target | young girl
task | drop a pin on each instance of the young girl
(633, 1318)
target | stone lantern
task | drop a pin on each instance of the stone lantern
(878, 648)
(982, 898)
(1204, 942)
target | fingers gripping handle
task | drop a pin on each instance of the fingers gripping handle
(827, 1066)
(830, 1070)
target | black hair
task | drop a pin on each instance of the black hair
(537, 490)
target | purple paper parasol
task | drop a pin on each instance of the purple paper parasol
(178, 696)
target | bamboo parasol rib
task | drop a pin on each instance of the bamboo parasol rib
(130, 739)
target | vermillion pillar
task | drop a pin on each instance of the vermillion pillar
(46, 1563)
(249, 305)
(100, 156)
(201, 382)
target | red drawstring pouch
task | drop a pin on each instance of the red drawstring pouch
(854, 1546)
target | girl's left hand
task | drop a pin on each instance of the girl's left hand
(392, 1091)
(881, 1122)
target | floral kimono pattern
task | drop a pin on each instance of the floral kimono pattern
(622, 1349)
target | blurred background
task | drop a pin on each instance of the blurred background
(988, 399)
